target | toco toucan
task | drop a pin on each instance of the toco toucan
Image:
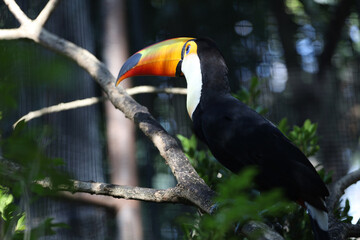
(236, 135)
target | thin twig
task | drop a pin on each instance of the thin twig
(170, 195)
(46, 12)
(93, 100)
(17, 12)
(58, 108)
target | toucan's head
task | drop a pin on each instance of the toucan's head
(198, 59)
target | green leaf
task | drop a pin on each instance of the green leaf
(254, 84)
(58, 162)
(304, 137)
(251, 96)
(283, 126)
(5, 200)
(20, 226)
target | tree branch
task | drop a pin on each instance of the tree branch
(46, 12)
(95, 200)
(340, 230)
(58, 108)
(254, 228)
(17, 12)
(11, 34)
(93, 100)
(353, 230)
(339, 187)
(170, 195)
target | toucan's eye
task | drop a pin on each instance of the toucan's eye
(187, 50)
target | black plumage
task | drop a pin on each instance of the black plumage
(238, 136)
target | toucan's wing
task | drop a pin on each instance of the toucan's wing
(238, 136)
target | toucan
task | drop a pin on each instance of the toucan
(236, 135)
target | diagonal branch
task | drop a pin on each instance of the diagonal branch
(46, 12)
(58, 108)
(17, 12)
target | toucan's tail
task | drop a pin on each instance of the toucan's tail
(319, 222)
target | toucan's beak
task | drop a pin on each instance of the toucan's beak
(161, 59)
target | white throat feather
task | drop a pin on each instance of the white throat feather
(192, 71)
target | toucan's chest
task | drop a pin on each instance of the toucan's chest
(211, 110)
(197, 123)
(213, 125)
(192, 70)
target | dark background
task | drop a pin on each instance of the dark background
(304, 52)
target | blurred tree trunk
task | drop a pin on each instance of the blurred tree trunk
(76, 136)
(120, 131)
(287, 29)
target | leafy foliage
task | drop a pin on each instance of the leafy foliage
(237, 203)
(342, 213)
(13, 220)
(23, 150)
(303, 137)
(7, 100)
(23, 163)
(251, 96)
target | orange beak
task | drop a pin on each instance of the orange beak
(161, 59)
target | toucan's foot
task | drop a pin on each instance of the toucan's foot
(237, 227)
(214, 208)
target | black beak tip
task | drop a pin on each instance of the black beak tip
(129, 64)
